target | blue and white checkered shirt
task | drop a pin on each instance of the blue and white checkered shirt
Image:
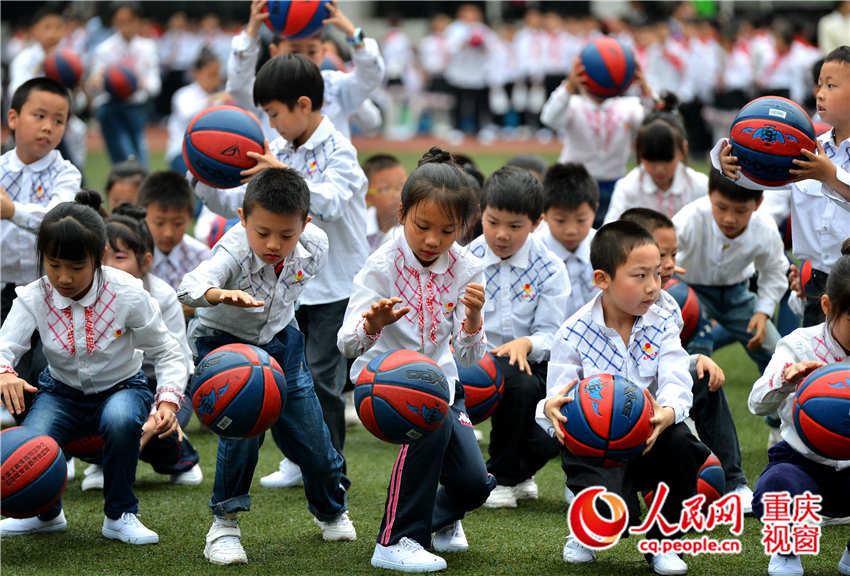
(183, 258)
(578, 265)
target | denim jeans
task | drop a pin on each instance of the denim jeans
(117, 415)
(123, 128)
(301, 429)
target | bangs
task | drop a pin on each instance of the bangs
(656, 143)
(64, 242)
(118, 232)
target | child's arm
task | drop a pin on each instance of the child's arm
(203, 286)
(29, 215)
(784, 371)
(705, 365)
(771, 265)
(224, 202)
(342, 179)
(242, 63)
(468, 339)
(674, 378)
(820, 167)
(172, 315)
(555, 112)
(722, 159)
(367, 313)
(15, 335)
(565, 370)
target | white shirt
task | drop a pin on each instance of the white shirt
(374, 235)
(434, 54)
(185, 256)
(234, 266)
(34, 188)
(653, 359)
(185, 104)
(736, 70)
(526, 295)
(579, 269)
(529, 43)
(172, 315)
(638, 189)
(328, 163)
(28, 63)
(139, 55)
(469, 46)
(773, 394)
(93, 343)
(436, 315)
(713, 259)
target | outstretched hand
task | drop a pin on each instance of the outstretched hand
(383, 313)
(552, 409)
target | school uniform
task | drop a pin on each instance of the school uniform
(525, 298)
(184, 257)
(637, 189)
(467, 73)
(185, 104)
(579, 268)
(449, 455)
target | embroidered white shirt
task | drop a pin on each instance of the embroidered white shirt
(637, 189)
(140, 55)
(579, 269)
(185, 256)
(172, 315)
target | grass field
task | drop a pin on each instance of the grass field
(280, 537)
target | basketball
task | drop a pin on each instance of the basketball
(33, 472)
(65, 67)
(822, 411)
(483, 386)
(296, 18)
(805, 273)
(120, 82)
(767, 134)
(219, 226)
(401, 396)
(217, 142)
(688, 302)
(711, 482)
(607, 421)
(240, 391)
(609, 66)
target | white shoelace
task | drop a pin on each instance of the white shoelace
(409, 544)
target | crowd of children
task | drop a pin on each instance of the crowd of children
(559, 272)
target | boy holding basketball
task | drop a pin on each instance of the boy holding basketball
(246, 292)
(622, 331)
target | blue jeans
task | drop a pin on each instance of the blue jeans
(117, 415)
(301, 430)
(123, 128)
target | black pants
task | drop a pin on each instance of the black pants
(472, 108)
(815, 287)
(415, 506)
(518, 446)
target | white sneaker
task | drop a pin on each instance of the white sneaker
(746, 495)
(668, 564)
(93, 478)
(128, 529)
(782, 565)
(577, 553)
(72, 469)
(450, 538)
(287, 475)
(337, 530)
(407, 556)
(6, 418)
(773, 437)
(223, 545)
(479, 435)
(844, 563)
(526, 490)
(351, 417)
(34, 525)
(191, 477)
(501, 497)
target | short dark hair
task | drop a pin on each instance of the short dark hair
(568, 186)
(127, 224)
(40, 83)
(532, 162)
(278, 190)
(286, 78)
(378, 162)
(169, 189)
(125, 170)
(840, 54)
(727, 188)
(48, 9)
(838, 283)
(650, 219)
(134, 7)
(513, 189)
(72, 231)
(205, 56)
(613, 243)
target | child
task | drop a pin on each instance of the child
(634, 338)
(47, 30)
(100, 323)
(792, 467)
(123, 182)
(290, 89)
(386, 178)
(246, 292)
(438, 285)
(722, 241)
(570, 200)
(662, 181)
(526, 287)
(170, 205)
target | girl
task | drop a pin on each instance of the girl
(792, 467)
(438, 285)
(96, 323)
(122, 184)
(661, 181)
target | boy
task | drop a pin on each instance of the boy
(47, 31)
(290, 89)
(386, 178)
(570, 201)
(246, 292)
(621, 331)
(722, 240)
(168, 200)
(526, 287)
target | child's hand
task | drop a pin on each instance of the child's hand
(758, 325)
(552, 409)
(383, 313)
(12, 391)
(679, 271)
(716, 377)
(149, 431)
(7, 205)
(517, 351)
(264, 160)
(663, 417)
(576, 81)
(640, 78)
(165, 421)
(815, 167)
(257, 18)
(239, 298)
(728, 163)
(795, 373)
(473, 299)
(794, 282)
(340, 20)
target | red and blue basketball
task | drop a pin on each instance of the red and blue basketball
(33, 472)
(401, 396)
(607, 420)
(483, 386)
(767, 135)
(219, 226)
(805, 273)
(688, 302)
(240, 391)
(296, 18)
(65, 67)
(609, 66)
(822, 411)
(119, 82)
(217, 142)
(711, 482)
